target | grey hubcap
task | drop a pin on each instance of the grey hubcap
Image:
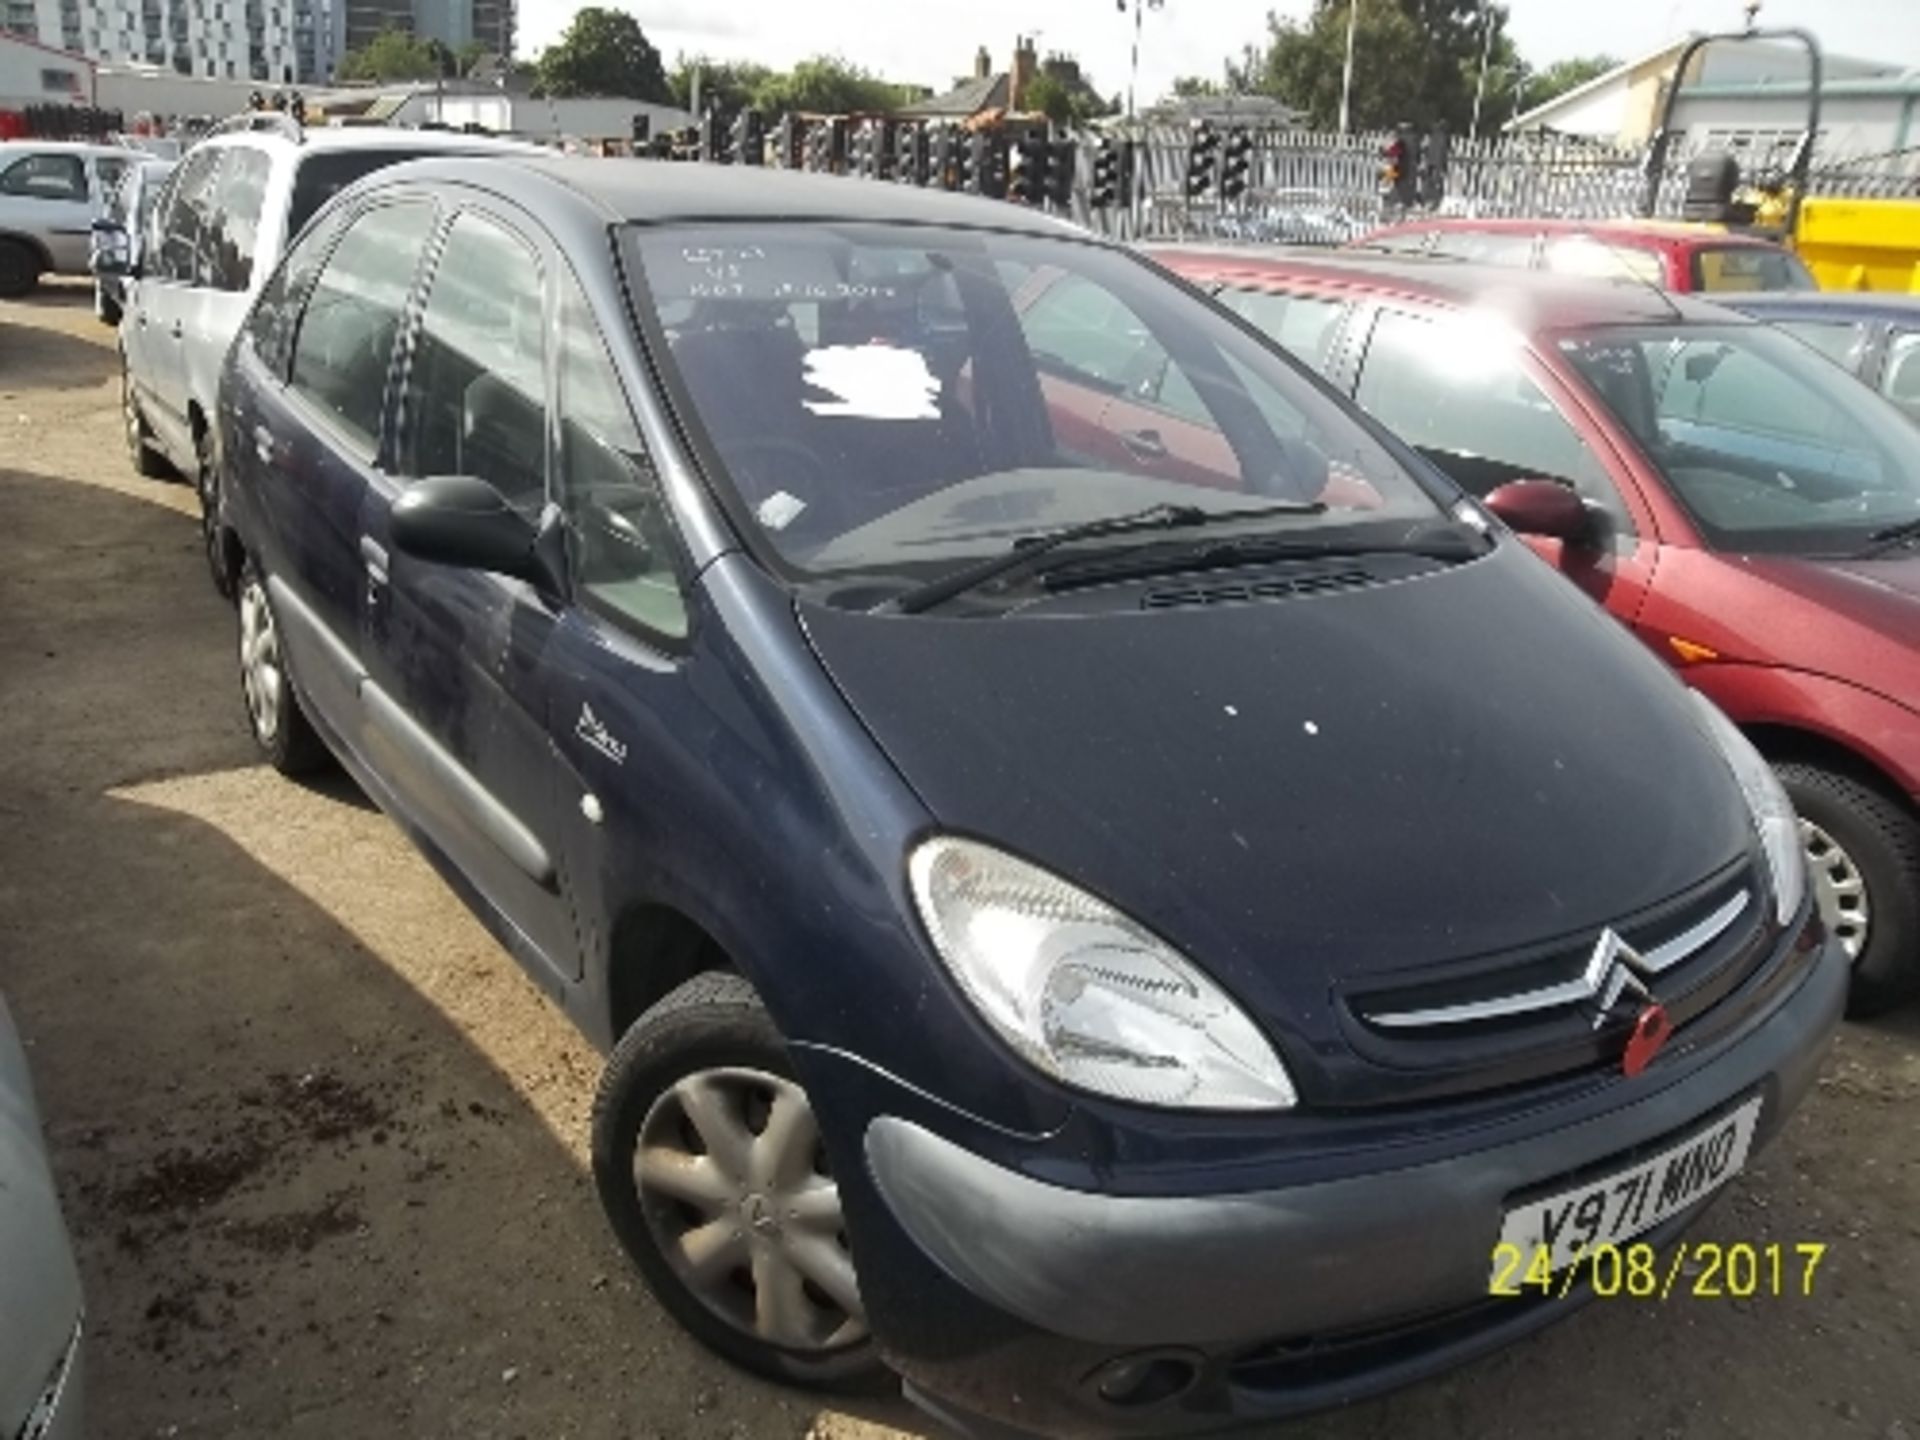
(262, 675)
(1839, 889)
(735, 1186)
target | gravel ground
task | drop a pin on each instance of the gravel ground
(324, 1149)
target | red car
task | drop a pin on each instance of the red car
(1673, 254)
(1744, 506)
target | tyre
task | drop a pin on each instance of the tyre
(710, 1168)
(280, 727)
(206, 480)
(106, 307)
(1863, 850)
(147, 461)
(19, 270)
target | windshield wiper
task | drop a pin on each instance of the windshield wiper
(1028, 549)
(1886, 539)
(1434, 542)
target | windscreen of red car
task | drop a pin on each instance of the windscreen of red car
(1769, 446)
(878, 397)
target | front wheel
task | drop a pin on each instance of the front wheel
(19, 270)
(1863, 856)
(147, 461)
(280, 726)
(710, 1166)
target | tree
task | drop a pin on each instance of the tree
(1195, 87)
(604, 52)
(392, 55)
(469, 55)
(1562, 76)
(824, 85)
(725, 85)
(1414, 60)
(1063, 95)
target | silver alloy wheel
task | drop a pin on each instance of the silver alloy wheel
(262, 675)
(1839, 889)
(734, 1183)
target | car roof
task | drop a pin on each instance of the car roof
(1837, 304)
(1685, 233)
(326, 139)
(653, 191)
(69, 147)
(1529, 299)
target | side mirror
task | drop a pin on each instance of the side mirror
(112, 249)
(461, 521)
(1541, 507)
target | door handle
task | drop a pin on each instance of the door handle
(263, 444)
(176, 330)
(1144, 444)
(374, 555)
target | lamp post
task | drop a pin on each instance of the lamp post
(1140, 7)
(1346, 73)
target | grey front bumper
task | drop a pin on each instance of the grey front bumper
(1308, 1260)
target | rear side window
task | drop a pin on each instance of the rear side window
(1901, 382)
(1749, 267)
(233, 223)
(322, 176)
(345, 342)
(186, 217)
(46, 177)
(1455, 389)
(1836, 339)
(1304, 326)
(476, 399)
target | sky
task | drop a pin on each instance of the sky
(930, 42)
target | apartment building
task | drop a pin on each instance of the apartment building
(454, 23)
(274, 42)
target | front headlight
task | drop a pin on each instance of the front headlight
(1773, 816)
(1087, 995)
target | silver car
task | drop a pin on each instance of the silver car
(40, 1312)
(51, 192)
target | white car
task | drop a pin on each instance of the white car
(51, 192)
(215, 235)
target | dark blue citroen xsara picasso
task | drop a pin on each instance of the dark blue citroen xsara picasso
(1110, 890)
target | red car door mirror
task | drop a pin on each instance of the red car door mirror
(1541, 507)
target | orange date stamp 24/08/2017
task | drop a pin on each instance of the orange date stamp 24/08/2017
(1640, 1272)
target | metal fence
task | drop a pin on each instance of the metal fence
(1307, 187)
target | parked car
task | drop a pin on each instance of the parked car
(1039, 903)
(117, 234)
(1674, 254)
(40, 1306)
(51, 191)
(1750, 513)
(1874, 335)
(237, 199)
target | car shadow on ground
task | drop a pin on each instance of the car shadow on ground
(59, 362)
(322, 1144)
(306, 1196)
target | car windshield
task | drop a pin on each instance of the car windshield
(1769, 446)
(880, 398)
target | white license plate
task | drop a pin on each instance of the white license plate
(1613, 1208)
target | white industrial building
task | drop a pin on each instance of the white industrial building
(1753, 92)
(36, 74)
(269, 42)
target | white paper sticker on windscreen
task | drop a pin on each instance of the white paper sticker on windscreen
(872, 382)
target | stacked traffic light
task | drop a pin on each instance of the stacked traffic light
(1236, 164)
(819, 147)
(946, 159)
(1027, 168)
(748, 141)
(1063, 158)
(711, 144)
(912, 163)
(1436, 149)
(1397, 180)
(1112, 173)
(987, 165)
(789, 143)
(1203, 154)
